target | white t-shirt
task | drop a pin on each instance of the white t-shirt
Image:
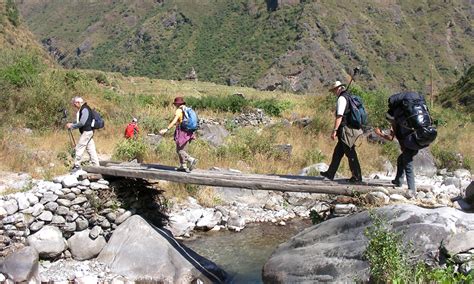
(341, 105)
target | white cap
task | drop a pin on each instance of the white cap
(134, 119)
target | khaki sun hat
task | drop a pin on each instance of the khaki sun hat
(336, 85)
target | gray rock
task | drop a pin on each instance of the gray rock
(32, 199)
(462, 257)
(98, 186)
(214, 134)
(377, 198)
(86, 183)
(58, 220)
(79, 200)
(64, 202)
(82, 247)
(48, 197)
(46, 216)
(424, 163)
(70, 196)
(462, 173)
(21, 265)
(76, 190)
(36, 226)
(138, 250)
(61, 210)
(48, 241)
(81, 224)
(70, 181)
(3, 213)
(467, 267)
(72, 216)
(236, 222)
(334, 250)
(209, 221)
(51, 206)
(120, 219)
(35, 211)
(452, 181)
(460, 242)
(22, 201)
(179, 225)
(314, 170)
(344, 209)
(95, 232)
(69, 227)
(11, 206)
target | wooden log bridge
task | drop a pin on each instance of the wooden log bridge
(236, 179)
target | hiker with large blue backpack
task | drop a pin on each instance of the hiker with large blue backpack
(186, 122)
(350, 116)
(413, 127)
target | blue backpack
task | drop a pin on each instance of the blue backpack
(357, 117)
(97, 120)
(190, 119)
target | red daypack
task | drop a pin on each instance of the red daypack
(131, 130)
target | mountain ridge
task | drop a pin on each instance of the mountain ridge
(299, 47)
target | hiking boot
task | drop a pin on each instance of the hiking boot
(183, 169)
(354, 180)
(410, 194)
(396, 183)
(75, 168)
(192, 163)
(326, 175)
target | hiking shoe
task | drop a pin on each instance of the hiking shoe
(354, 180)
(75, 169)
(326, 175)
(396, 183)
(410, 194)
(183, 169)
(192, 163)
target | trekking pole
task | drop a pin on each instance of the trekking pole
(71, 137)
(354, 72)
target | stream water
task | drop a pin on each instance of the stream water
(243, 254)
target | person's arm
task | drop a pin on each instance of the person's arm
(81, 122)
(385, 136)
(337, 123)
(172, 123)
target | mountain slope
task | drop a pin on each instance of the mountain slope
(298, 47)
(461, 93)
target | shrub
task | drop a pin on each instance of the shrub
(272, 107)
(21, 69)
(447, 158)
(385, 252)
(12, 13)
(131, 149)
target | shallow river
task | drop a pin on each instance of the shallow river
(243, 254)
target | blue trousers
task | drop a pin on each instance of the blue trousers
(405, 167)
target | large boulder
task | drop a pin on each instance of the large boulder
(21, 265)
(333, 250)
(214, 134)
(83, 247)
(138, 251)
(48, 241)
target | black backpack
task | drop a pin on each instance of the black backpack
(416, 117)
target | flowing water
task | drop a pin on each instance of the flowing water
(243, 254)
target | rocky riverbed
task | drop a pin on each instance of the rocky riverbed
(70, 220)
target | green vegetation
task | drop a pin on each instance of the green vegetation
(236, 103)
(129, 149)
(461, 94)
(389, 259)
(12, 13)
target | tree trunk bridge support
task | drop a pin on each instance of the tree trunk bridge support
(240, 180)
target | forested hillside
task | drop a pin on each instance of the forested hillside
(290, 45)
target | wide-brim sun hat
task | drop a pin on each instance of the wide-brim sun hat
(178, 101)
(336, 85)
